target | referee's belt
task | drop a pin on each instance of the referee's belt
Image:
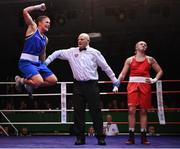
(85, 81)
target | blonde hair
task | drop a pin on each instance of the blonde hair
(40, 18)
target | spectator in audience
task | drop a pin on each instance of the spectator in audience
(101, 104)
(9, 105)
(1, 131)
(91, 131)
(23, 105)
(35, 104)
(122, 105)
(110, 128)
(24, 132)
(4, 132)
(115, 104)
(48, 105)
(112, 104)
(152, 131)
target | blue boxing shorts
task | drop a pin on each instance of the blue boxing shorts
(30, 68)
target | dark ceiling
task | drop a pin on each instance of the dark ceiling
(121, 22)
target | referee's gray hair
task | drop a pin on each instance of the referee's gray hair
(86, 36)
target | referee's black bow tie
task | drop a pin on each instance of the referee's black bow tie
(81, 49)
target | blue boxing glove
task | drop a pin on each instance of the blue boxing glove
(46, 63)
(116, 86)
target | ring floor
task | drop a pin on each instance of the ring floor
(60, 142)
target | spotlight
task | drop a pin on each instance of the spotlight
(95, 35)
(61, 20)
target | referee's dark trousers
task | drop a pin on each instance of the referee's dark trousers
(87, 92)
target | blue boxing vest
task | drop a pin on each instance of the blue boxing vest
(35, 44)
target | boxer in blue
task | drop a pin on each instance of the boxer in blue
(35, 72)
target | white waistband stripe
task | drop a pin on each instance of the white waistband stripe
(137, 79)
(29, 57)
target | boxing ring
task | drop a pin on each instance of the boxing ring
(67, 141)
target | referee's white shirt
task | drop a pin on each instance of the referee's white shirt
(83, 63)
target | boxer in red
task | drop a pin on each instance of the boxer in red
(139, 87)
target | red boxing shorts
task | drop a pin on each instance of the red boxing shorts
(139, 94)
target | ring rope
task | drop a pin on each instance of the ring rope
(58, 94)
(165, 81)
(57, 123)
(64, 94)
(71, 110)
(10, 123)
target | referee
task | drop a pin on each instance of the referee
(84, 61)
